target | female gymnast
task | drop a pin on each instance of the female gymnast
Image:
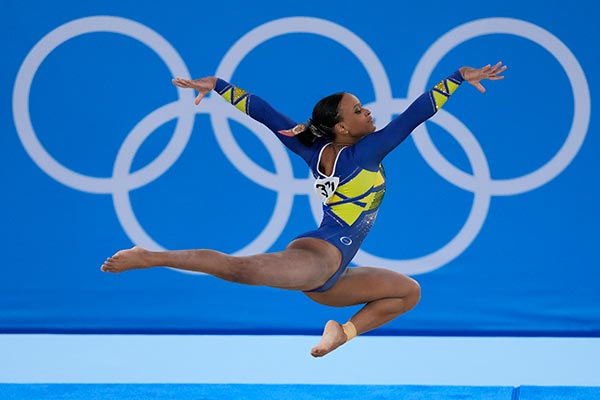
(344, 151)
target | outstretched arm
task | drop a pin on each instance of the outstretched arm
(372, 149)
(252, 105)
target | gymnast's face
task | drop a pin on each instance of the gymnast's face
(355, 120)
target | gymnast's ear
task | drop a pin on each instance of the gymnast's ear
(339, 129)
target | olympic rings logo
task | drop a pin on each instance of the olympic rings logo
(283, 181)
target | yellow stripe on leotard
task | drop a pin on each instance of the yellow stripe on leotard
(355, 188)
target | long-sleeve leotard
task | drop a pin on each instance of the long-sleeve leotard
(378, 144)
(353, 192)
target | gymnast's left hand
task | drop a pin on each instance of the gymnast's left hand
(203, 85)
(475, 75)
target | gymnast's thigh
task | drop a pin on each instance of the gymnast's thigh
(359, 285)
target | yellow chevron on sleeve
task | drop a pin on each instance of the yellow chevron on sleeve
(238, 97)
(241, 105)
(227, 95)
(441, 87)
(439, 99)
(442, 91)
(452, 86)
(237, 93)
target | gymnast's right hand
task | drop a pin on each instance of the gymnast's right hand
(202, 85)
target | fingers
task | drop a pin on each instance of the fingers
(107, 266)
(182, 83)
(501, 70)
(199, 98)
(497, 69)
(494, 70)
(479, 87)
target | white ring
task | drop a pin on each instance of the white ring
(581, 94)
(22, 89)
(283, 181)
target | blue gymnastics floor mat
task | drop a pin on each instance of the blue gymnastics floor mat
(265, 392)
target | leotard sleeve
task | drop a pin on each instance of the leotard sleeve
(370, 151)
(261, 111)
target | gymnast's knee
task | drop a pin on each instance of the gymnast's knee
(413, 295)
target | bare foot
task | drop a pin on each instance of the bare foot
(125, 260)
(333, 337)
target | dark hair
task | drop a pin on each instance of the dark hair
(324, 117)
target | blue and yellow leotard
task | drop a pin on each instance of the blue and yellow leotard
(354, 191)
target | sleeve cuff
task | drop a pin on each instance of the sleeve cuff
(457, 77)
(221, 85)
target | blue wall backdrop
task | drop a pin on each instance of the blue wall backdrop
(492, 206)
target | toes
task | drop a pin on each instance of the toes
(108, 266)
(315, 352)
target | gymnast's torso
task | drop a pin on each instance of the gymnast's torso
(352, 193)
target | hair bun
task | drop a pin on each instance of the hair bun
(313, 128)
